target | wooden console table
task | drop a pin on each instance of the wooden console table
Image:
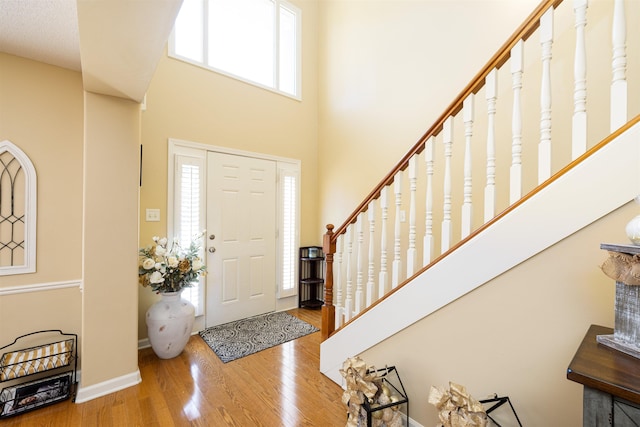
(611, 381)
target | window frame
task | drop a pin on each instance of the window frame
(30, 211)
(276, 77)
(176, 154)
(287, 170)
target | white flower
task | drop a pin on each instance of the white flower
(148, 263)
(169, 267)
(196, 264)
(156, 277)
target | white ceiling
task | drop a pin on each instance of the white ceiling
(43, 30)
(115, 44)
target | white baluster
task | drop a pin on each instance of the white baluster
(383, 277)
(412, 253)
(467, 208)
(359, 273)
(491, 94)
(427, 250)
(447, 133)
(579, 125)
(396, 267)
(515, 173)
(544, 148)
(371, 291)
(619, 67)
(348, 300)
(338, 281)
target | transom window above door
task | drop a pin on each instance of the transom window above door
(257, 41)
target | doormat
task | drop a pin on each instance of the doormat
(241, 338)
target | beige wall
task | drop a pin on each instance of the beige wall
(517, 334)
(388, 69)
(41, 113)
(190, 103)
(85, 151)
(110, 265)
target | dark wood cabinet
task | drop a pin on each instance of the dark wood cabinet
(611, 381)
(311, 273)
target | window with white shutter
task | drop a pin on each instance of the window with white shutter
(289, 220)
(189, 210)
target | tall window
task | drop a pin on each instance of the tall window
(189, 210)
(257, 41)
(289, 220)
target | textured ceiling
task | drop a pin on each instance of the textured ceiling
(43, 30)
(120, 41)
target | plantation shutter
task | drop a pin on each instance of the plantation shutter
(289, 218)
(189, 214)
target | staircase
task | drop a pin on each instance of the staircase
(525, 180)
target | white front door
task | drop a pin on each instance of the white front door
(241, 237)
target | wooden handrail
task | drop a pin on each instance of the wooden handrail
(500, 58)
(553, 178)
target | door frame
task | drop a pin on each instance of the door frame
(283, 164)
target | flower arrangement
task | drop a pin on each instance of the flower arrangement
(170, 269)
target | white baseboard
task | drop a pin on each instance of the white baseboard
(143, 343)
(110, 386)
(412, 422)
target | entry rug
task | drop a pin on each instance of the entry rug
(241, 338)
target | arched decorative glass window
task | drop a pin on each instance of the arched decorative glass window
(17, 211)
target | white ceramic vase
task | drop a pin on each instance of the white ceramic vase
(633, 227)
(169, 324)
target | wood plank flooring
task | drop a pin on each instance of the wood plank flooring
(280, 386)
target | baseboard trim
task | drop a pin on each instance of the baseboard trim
(110, 386)
(143, 343)
(412, 422)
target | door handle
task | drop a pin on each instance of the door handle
(212, 249)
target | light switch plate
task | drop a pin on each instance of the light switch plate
(153, 215)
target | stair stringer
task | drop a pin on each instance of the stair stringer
(595, 187)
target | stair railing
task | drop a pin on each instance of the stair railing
(509, 136)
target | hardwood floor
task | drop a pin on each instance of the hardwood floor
(280, 386)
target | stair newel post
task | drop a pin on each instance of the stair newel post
(328, 309)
